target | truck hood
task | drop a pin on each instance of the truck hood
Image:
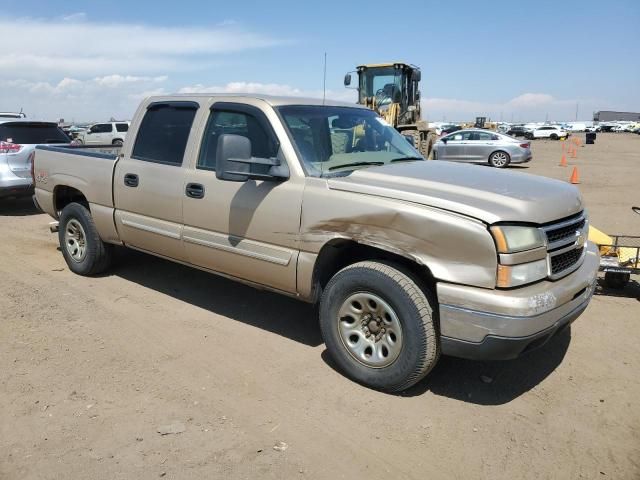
(484, 193)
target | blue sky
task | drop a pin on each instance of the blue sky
(91, 60)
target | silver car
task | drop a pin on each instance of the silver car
(18, 139)
(482, 146)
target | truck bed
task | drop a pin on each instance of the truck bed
(88, 169)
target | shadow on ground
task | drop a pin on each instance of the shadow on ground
(488, 383)
(266, 310)
(452, 377)
(494, 383)
(17, 207)
(630, 290)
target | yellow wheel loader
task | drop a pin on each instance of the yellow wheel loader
(391, 89)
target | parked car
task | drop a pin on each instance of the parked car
(593, 128)
(18, 138)
(450, 129)
(517, 131)
(325, 202)
(576, 127)
(110, 133)
(482, 146)
(547, 131)
(12, 115)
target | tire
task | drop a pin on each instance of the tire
(553, 136)
(616, 280)
(408, 331)
(499, 159)
(416, 137)
(118, 141)
(81, 246)
(426, 148)
(528, 136)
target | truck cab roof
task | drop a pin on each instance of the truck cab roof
(273, 100)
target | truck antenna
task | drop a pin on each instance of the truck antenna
(324, 79)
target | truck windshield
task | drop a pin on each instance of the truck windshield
(330, 140)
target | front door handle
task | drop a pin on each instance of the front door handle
(194, 190)
(131, 179)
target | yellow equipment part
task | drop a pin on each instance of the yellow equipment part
(624, 254)
(600, 238)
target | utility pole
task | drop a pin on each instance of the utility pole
(576, 111)
(324, 79)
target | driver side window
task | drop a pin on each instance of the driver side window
(263, 144)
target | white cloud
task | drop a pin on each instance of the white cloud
(112, 81)
(524, 107)
(75, 17)
(94, 99)
(36, 47)
(270, 89)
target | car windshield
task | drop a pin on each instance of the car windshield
(334, 140)
(32, 133)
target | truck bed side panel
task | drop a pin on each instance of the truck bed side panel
(88, 172)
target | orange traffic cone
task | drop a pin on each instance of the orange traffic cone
(575, 179)
(563, 160)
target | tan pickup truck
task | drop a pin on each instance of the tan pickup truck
(326, 202)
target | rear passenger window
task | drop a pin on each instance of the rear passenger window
(122, 127)
(263, 144)
(163, 133)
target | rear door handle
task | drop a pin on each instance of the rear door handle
(131, 179)
(194, 190)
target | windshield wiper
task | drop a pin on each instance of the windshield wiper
(406, 159)
(355, 164)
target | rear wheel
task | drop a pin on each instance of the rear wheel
(378, 326)
(499, 159)
(82, 248)
(553, 136)
(528, 136)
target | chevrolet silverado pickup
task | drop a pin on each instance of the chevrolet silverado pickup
(408, 259)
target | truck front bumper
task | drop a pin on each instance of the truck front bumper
(483, 324)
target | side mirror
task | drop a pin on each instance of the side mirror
(444, 140)
(347, 80)
(417, 75)
(234, 162)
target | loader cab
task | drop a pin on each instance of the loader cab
(382, 85)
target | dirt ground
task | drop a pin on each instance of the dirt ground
(93, 368)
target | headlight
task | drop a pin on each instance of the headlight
(513, 238)
(514, 275)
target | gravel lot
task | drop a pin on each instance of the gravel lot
(94, 368)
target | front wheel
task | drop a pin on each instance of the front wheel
(499, 159)
(554, 136)
(378, 326)
(81, 245)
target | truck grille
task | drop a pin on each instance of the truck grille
(565, 245)
(562, 233)
(563, 261)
